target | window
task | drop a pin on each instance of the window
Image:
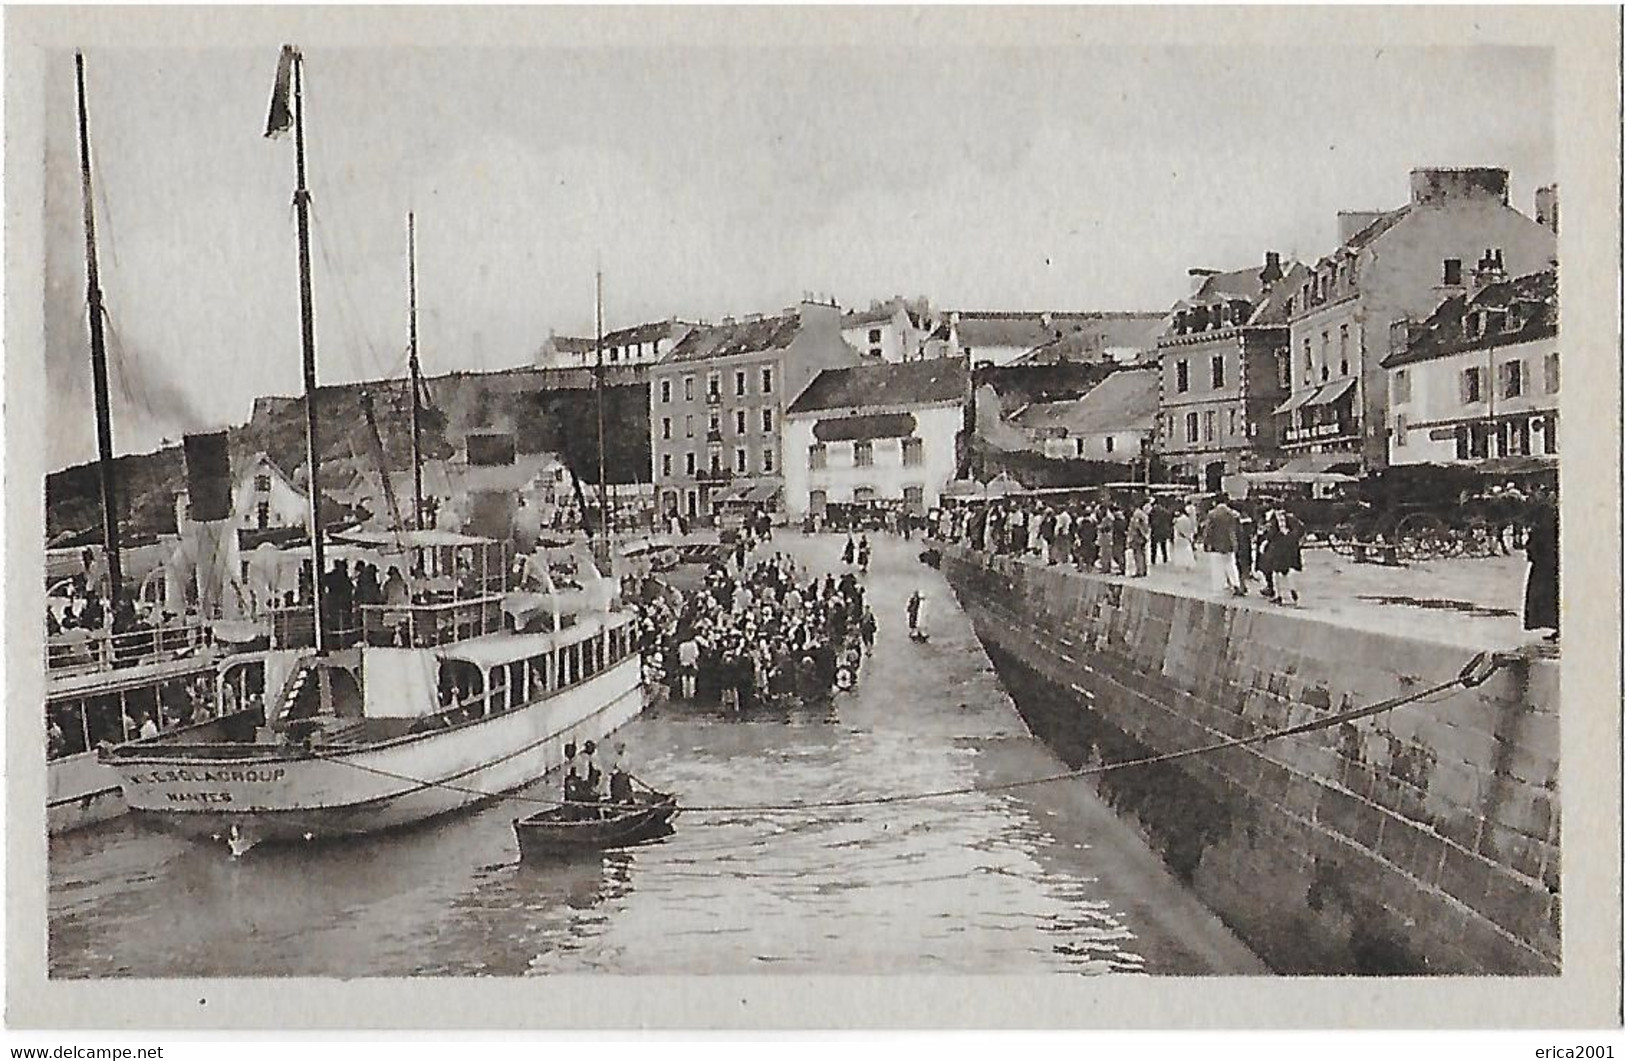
(1512, 379)
(1217, 369)
(1283, 370)
(262, 512)
(1551, 433)
(1325, 373)
(1553, 380)
(1462, 446)
(713, 384)
(817, 454)
(914, 498)
(665, 427)
(1235, 420)
(1207, 426)
(739, 383)
(688, 388)
(739, 421)
(767, 381)
(913, 451)
(1343, 349)
(1399, 429)
(1308, 362)
(1452, 272)
(262, 483)
(1109, 443)
(1471, 387)
(665, 465)
(688, 426)
(715, 423)
(1190, 427)
(665, 391)
(716, 462)
(1182, 374)
(863, 493)
(767, 459)
(863, 454)
(767, 421)
(874, 335)
(1402, 387)
(1478, 441)
(688, 463)
(741, 460)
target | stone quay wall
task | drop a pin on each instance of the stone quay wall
(1422, 840)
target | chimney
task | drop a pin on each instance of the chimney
(1432, 187)
(1489, 270)
(1546, 207)
(819, 315)
(1351, 223)
(209, 532)
(1272, 268)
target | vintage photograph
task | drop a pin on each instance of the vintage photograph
(1016, 509)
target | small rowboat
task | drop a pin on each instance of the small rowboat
(579, 828)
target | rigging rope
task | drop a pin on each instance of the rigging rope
(1477, 670)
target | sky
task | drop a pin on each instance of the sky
(704, 181)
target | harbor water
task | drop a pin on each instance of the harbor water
(1026, 880)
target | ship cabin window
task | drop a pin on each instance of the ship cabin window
(536, 678)
(497, 700)
(518, 691)
(65, 729)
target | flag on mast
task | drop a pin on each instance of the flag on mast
(281, 116)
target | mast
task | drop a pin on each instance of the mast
(603, 487)
(98, 358)
(307, 336)
(417, 382)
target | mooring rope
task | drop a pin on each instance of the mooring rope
(1476, 672)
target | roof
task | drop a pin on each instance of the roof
(1126, 400)
(1092, 340)
(740, 337)
(265, 458)
(1029, 329)
(1527, 307)
(928, 382)
(1368, 235)
(858, 318)
(638, 333)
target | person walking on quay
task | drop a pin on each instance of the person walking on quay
(1119, 540)
(1281, 555)
(1219, 537)
(1138, 536)
(1162, 531)
(1086, 535)
(1061, 551)
(1541, 605)
(1103, 539)
(850, 552)
(688, 661)
(863, 554)
(1184, 529)
(1246, 532)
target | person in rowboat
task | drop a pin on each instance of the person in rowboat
(620, 780)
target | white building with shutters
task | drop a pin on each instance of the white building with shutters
(885, 433)
(1479, 380)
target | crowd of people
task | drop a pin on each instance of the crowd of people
(1240, 543)
(762, 632)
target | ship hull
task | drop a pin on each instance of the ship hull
(81, 791)
(347, 792)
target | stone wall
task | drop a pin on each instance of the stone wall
(1419, 840)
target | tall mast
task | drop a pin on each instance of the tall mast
(98, 357)
(307, 335)
(603, 488)
(417, 383)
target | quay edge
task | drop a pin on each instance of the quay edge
(1420, 841)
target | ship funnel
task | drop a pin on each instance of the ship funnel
(208, 536)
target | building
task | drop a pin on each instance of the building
(1390, 266)
(1479, 379)
(643, 344)
(887, 432)
(1219, 371)
(716, 402)
(265, 498)
(892, 331)
(1115, 421)
(1000, 338)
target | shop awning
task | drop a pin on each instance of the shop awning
(1345, 463)
(1331, 392)
(1298, 400)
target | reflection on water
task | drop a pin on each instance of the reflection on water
(1029, 880)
